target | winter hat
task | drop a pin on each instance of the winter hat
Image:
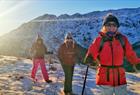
(68, 35)
(110, 18)
(39, 38)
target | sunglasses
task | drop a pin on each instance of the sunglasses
(111, 24)
(69, 38)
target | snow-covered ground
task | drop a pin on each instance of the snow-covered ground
(15, 79)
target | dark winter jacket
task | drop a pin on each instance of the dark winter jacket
(38, 50)
(69, 55)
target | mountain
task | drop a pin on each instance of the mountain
(84, 28)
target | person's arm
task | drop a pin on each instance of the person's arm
(60, 51)
(93, 51)
(130, 53)
(31, 51)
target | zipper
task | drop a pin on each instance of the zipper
(112, 63)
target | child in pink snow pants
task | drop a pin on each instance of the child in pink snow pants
(38, 51)
(36, 63)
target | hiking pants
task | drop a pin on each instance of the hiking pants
(109, 90)
(36, 63)
(68, 71)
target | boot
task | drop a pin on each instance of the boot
(70, 93)
(49, 81)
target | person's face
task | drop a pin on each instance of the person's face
(39, 41)
(69, 39)
(111, 26)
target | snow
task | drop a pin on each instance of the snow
(15, 79)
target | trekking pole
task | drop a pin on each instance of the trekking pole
(85, 80)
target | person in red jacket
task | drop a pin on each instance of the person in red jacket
(107, 50)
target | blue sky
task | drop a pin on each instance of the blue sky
(15, 12)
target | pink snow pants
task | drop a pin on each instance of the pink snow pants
(36, 63)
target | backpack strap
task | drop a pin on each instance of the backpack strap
(104, 39)
(120, 38)
(101, 44)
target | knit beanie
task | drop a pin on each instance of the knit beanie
(110, 18)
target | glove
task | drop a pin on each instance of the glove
(50, 52)
(135, 68)
(88, 60)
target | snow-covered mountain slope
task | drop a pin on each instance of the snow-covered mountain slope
(84, 28)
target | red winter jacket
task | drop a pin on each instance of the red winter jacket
(112, 54)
